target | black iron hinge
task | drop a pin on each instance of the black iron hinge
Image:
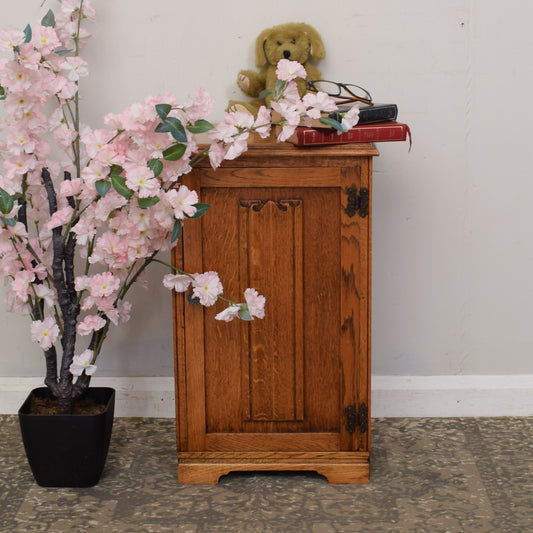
(358, 202)
(356, 418)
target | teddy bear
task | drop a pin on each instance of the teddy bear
(295, 41)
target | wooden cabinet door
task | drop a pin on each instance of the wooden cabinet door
(282, 383)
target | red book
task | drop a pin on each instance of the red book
(364, 133)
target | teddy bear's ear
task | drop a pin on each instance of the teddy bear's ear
(260, 57)
(318, 51)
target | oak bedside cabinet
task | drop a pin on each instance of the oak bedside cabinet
(290, 391)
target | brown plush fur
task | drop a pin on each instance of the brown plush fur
(295, 41)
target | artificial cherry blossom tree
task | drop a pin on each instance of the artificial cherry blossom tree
(79, 230)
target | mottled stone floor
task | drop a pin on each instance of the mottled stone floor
(428, 475)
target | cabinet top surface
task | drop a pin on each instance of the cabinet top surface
(269, 148)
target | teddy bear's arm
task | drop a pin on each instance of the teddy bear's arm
(312, 72)
(251, 83)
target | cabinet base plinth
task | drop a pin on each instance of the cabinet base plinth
(336, 467)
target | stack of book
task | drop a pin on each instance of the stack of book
(376, 123)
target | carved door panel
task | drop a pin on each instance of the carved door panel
(268, 389)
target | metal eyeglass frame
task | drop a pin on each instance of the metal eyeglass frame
(345, 86)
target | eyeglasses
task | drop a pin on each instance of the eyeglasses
(335, 90)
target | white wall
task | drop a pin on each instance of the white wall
(453, 252)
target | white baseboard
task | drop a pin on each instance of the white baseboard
(452, 396)
(150, 397)
(392, 396)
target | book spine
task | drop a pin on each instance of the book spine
(367, 115)
(366, 134)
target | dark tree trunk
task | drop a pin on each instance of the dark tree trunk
(63, 276)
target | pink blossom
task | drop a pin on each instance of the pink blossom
(17, 78)
(21, 283)
(19, 142)
(351, 118)
(29, 57)
(83, 362)
(60, 217)
(106, 205)
(183, 201)
(35, 120)
(65, 88)
(124, 310)
(71, 187)
(177, 282)
(85, 229)
(291, 118)
(134, 117)
(18, 229)
(228, 314)
(207, 287)
(90, 323)
(46, 293)
(224, 131)
(11, 37)
(93, 172)
(18, 165)
(262, 122)
(289, 70)
(110, 249)
(317, 103)
(141, 180)
(45, 332)
(44, 39)
(237, 147)
(74, 67)
(240, 119)
(291, 95)
(65, 135)
(70, 9)
(105, 284)
(109, 155)
(255, 302)
(201, 106)
(217, 152)
(95, 140)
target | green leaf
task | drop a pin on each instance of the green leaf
(119, 184)
(116, 169)
(176, 129)
(102, 186)
(62, 52)
(2, 93)
(265, 93)
(200, 210)
(200, 126)
(162, 127)
(27, 33)
(173, 126)
(174, 152)
(163, 110)
(155, 166)
(147, 202)
(244, 313)
(6, 202)
(335, 124)
(176, 230)
(49, 19)
(8, 221)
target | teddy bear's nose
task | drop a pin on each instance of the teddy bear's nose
(286, 54)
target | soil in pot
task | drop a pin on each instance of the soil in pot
(48, 406)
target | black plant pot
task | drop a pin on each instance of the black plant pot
(68, 450)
